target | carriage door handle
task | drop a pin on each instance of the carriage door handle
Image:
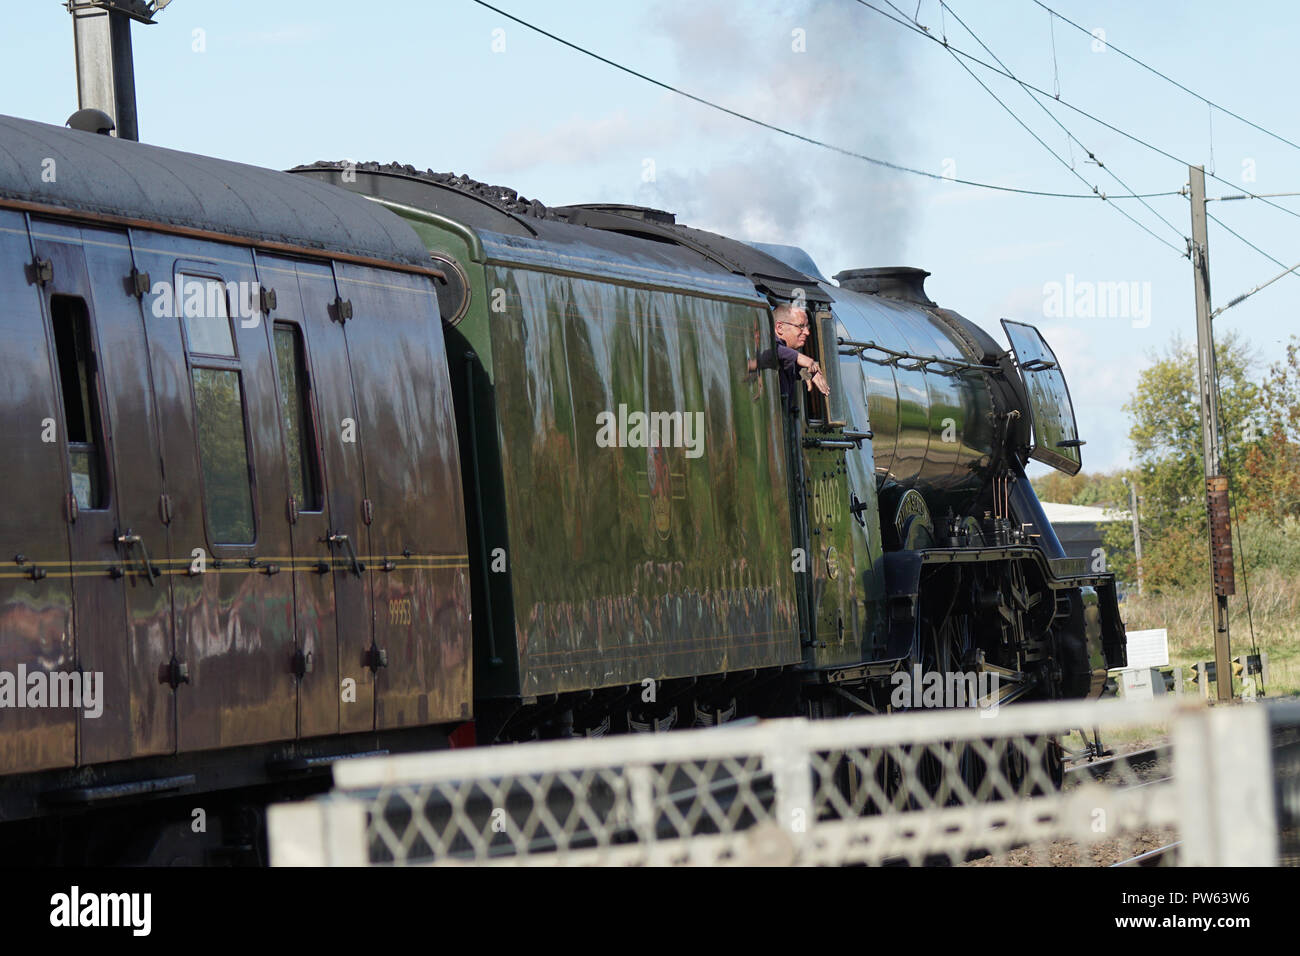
(337, 537)
(128, 541)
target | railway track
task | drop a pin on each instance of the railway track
(1133, 771)
(1144, 764)
(1160, 856)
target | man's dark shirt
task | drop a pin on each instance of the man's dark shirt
(786, 361)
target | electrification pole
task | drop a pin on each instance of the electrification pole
(1137, 538)
(101, 30)
(1216, 483)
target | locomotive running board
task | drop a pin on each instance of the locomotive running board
(1061, 572)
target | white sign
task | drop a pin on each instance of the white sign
(1137, 684)
(1148, 648)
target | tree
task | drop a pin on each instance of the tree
(1270, 443)
(1166, 436)
(1095, 489)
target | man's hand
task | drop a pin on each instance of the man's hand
(812, 376)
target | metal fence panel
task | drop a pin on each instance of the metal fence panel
(951, 787)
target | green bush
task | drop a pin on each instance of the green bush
(1268, 543)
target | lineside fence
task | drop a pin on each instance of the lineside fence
(1202, 786)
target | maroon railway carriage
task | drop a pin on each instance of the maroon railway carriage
(227, 413)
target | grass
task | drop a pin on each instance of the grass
(1188, 616)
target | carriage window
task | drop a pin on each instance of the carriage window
(295, 410)
(81, 421)
(202, 301)
(223, 449)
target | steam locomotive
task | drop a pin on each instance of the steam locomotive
(361, 459)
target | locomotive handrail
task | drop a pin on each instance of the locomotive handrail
(852, 347)
(1037, 365)
(831, 443)
(848, 438)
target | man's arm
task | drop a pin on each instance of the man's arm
(780, 357)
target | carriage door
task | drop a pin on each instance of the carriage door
(316, 659)
(116, 505)
(344, 534)
(36, 626)
(405, 426)
(835, 593)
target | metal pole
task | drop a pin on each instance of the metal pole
(1216, 484)
(1137, 539)
(101, 32)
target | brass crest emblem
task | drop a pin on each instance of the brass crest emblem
(910, 505)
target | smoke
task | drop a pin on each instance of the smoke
(822, 69)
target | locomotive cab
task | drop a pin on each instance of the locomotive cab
(835, 549)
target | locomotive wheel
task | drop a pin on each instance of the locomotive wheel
(939, 775)
(1048, 754)
(944, 651)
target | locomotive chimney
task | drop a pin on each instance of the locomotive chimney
(892, 282)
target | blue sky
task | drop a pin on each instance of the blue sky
(433, 85)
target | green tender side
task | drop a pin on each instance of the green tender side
(604, 562)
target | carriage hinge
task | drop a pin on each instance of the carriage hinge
(302, 663)
(376, 658)
(40, 271)
(175, 672)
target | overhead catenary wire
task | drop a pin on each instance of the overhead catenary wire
(876, 161)
(1146, 66)
(1070, 136)
(1246, 196)
(1056, 69)
(1293, 270)
(924, 32)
